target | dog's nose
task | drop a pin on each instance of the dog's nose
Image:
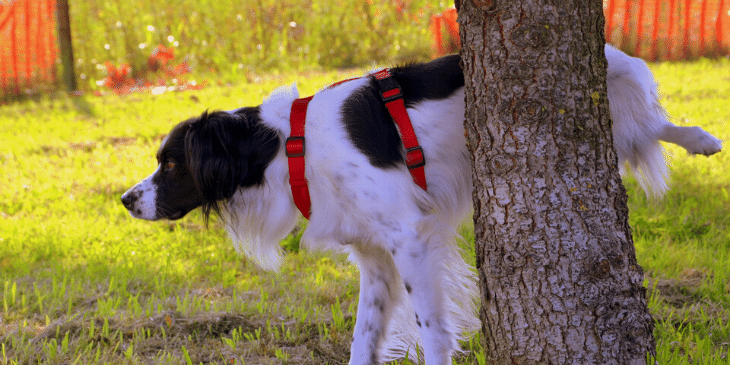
(128, 200)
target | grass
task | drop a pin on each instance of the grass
(683, 240)
(82, 282)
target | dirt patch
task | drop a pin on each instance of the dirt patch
(205, 338)
(681, 300)
(675, 293)
(86, 146)
(122, 141)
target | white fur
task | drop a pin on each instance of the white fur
(145, 190)
(258, 217)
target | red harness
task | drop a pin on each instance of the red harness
(392, 96)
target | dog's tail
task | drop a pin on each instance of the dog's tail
(638, 121)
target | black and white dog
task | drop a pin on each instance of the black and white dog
(415, 288)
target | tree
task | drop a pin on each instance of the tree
(64, 41)
(559, 279)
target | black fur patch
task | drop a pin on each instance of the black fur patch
(370, 127)
(226, 151)
(176, 193)
(434, 80)
(367, 121)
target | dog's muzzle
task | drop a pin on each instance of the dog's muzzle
(140, 201)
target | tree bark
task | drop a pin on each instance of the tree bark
(559, 279)
(65, 45)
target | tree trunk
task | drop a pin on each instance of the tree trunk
(65, 44)
(559, 279)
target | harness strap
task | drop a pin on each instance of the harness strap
(295, 148)
(392, 96)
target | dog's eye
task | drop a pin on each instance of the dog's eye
(169, 165)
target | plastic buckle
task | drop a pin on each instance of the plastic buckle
(295, 147)
(415, 157)
(391, 95)
(388, 87)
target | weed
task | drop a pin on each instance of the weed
(236, 39)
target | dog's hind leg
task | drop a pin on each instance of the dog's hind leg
(639, 122)
(694, 139)
(378, 291)
(420, 264)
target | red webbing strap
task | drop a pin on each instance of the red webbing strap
(295, 148)
(393, 99)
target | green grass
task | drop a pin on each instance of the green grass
(683, 240)
(82, 282)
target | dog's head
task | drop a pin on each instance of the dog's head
(202, 163)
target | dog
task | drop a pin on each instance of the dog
(417, 293)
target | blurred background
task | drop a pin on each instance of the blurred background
(126, 45)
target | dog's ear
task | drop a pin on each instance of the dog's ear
(226, 151)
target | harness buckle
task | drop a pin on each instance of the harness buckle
(389, 88)
(295, 147)
(391, 95)
(415, 157)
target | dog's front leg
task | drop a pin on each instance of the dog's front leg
(377, 292)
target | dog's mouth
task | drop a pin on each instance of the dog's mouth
(136, 213)
(176, 215)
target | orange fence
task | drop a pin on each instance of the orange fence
(669, 29)
(651, 29)
(445, 32)
(28, 50)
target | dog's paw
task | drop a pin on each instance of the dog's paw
(703, 143)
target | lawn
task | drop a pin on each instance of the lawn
(83, 282)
